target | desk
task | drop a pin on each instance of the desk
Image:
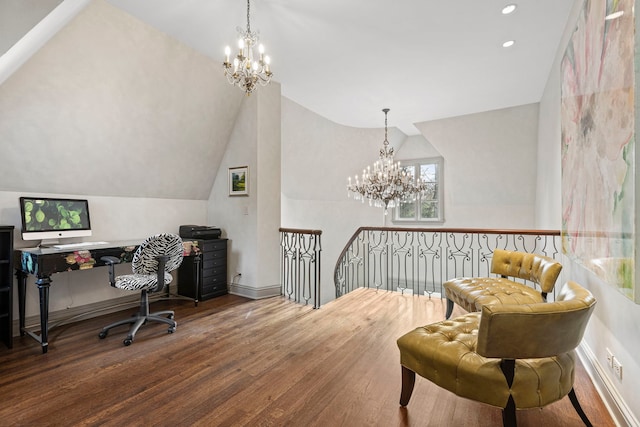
(43, 262)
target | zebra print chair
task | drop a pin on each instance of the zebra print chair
(152, 262)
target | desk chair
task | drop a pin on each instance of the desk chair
(153, 260)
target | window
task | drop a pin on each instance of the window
(427, 208)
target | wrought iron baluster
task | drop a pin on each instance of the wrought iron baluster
(422, 259)
(300, 267)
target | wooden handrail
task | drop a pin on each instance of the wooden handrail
(464, 230)
(299, 231)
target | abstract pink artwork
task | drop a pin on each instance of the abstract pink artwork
(598, 145)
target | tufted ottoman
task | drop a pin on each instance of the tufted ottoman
(472, 293)
(508, 356)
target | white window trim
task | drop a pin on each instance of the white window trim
(439, 161)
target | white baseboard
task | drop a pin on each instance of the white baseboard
(255, 293)
(612, 399)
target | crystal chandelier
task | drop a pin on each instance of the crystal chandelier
(388, 183)
(245, 71)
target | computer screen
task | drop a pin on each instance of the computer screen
(45, 218)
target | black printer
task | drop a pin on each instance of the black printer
(199, 232)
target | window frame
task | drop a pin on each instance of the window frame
(417, 219)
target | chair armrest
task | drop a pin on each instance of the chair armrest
(110, 261)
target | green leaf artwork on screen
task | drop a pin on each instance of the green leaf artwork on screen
(58, 215)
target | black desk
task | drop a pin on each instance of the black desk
(43, 262)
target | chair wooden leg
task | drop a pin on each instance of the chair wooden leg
(449, 308)
(408, 381)
(509, 414)
(578, 408)
(508, 367)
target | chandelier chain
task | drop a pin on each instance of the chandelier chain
(385, 111)
(248, 16)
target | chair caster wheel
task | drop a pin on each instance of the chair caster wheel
(171, 316)
(102, 335)
(127, 341)
(171, 330)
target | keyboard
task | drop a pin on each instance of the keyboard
(78, 245)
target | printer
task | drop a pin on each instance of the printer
(199, 232)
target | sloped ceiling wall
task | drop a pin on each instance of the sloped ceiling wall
(17, 17)
(112, 107)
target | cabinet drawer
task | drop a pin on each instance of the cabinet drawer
(213, 263)
(214, 245)
(214, 284)
(221, 287)
(220, 270)
(208, 256)
(214, 280)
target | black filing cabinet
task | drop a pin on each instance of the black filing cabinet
(205, 276)
(6, 284)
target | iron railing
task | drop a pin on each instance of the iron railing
(300, 265)
(419, 260)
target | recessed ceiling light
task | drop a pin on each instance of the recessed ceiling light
(509, 9)
(508, 43)
(614, 15)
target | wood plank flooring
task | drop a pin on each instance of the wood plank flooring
(237, 362)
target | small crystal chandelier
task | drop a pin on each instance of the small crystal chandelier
(388, 184)
(245, 72)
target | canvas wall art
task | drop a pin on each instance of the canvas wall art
(598, 145)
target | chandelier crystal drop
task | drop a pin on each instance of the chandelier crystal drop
(247, 70)
(388, 183)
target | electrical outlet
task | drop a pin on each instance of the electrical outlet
(609, 358)
(617, 368)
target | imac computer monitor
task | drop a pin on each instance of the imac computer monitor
(50, 219)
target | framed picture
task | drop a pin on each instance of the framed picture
(239, 181)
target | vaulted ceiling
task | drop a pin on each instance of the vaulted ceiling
(346, 60)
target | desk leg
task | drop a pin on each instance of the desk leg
(22, 295)
(197, 292)
(43, 284)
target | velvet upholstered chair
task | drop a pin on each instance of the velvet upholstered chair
(509, 356)
(152, 263)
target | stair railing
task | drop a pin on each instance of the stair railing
(419, 260)
(300, 265)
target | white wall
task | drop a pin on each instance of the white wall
(268, 172)
(251, 222)
(18, 17)
(318, 156)
(615, 324)
(490, 167)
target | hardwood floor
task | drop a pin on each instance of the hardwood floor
(236, 362)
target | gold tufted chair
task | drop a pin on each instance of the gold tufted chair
(509, 356)
(471, 293)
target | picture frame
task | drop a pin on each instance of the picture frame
(239, 181)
